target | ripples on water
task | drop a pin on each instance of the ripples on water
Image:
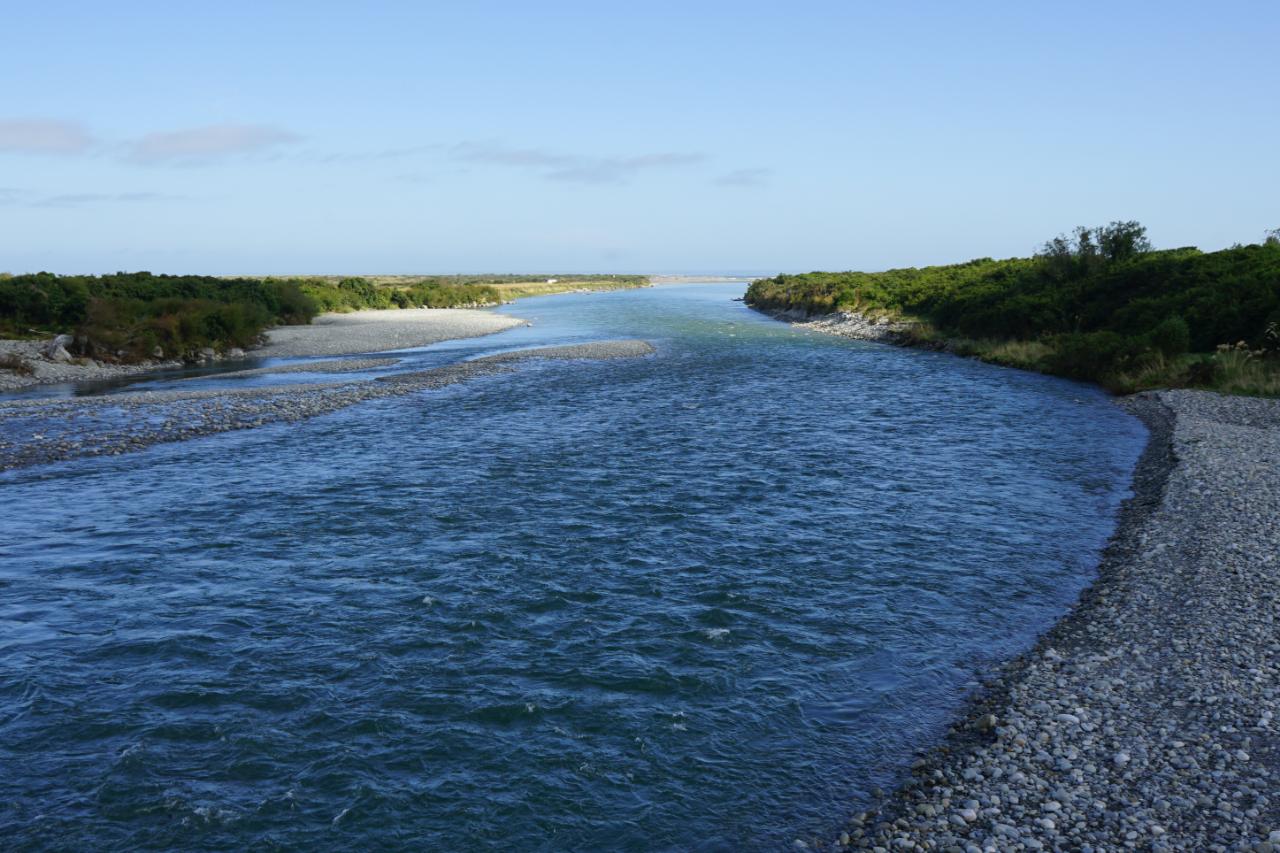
(703, 600)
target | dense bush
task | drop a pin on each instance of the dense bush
(1097, 301)
(1088, 355)
(1172, 337)
(128, 315)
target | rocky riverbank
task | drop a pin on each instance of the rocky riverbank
(344, 365)
(38, 431)
(379, 331)
(27, 363)
(847, 324)
(1147, 718)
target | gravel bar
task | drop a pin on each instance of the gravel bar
(38, 431)
(346, 365)
(379, 331)
(1147, 718)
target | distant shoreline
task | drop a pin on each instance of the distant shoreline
(698, 279)
(29, 363)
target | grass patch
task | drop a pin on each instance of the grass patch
(1028, 355)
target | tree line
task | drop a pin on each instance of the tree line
(1100, 304)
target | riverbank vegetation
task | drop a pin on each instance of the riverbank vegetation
(132, 317)
(1100, 305)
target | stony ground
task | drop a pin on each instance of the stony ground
(845, 324)
(1147, 719)
(345, 365)
(379, 331)
(38, 368)
(34, 432)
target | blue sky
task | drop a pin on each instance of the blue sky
(389, 137)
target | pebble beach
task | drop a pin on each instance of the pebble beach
(1147, 718)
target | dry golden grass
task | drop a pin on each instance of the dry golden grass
(1239, 371)
(1028, 355)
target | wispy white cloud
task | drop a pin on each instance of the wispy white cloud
(16, 196)
(78, 199)
(382, 154)
(200, 145)
(573, 168)
(744, 178)
(44, 136)
(612, 170)
(220, 142)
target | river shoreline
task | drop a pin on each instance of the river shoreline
(352, 333)
(1146, 717)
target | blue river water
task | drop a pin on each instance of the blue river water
(703, 600)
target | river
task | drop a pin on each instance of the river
(703, 600)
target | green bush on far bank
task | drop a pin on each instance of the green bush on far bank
(127, 316)
(1099, 306)
(136, 316)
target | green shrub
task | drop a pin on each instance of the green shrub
(1171, 337)
(1090, 355)
(1101, 280)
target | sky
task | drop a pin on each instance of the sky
(422, 137)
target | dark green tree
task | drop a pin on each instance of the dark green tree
(1121, 241)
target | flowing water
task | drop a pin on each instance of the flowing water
(702, 600)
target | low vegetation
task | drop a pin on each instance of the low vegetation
(137, 316)
(1099, 305)
(510, 290)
